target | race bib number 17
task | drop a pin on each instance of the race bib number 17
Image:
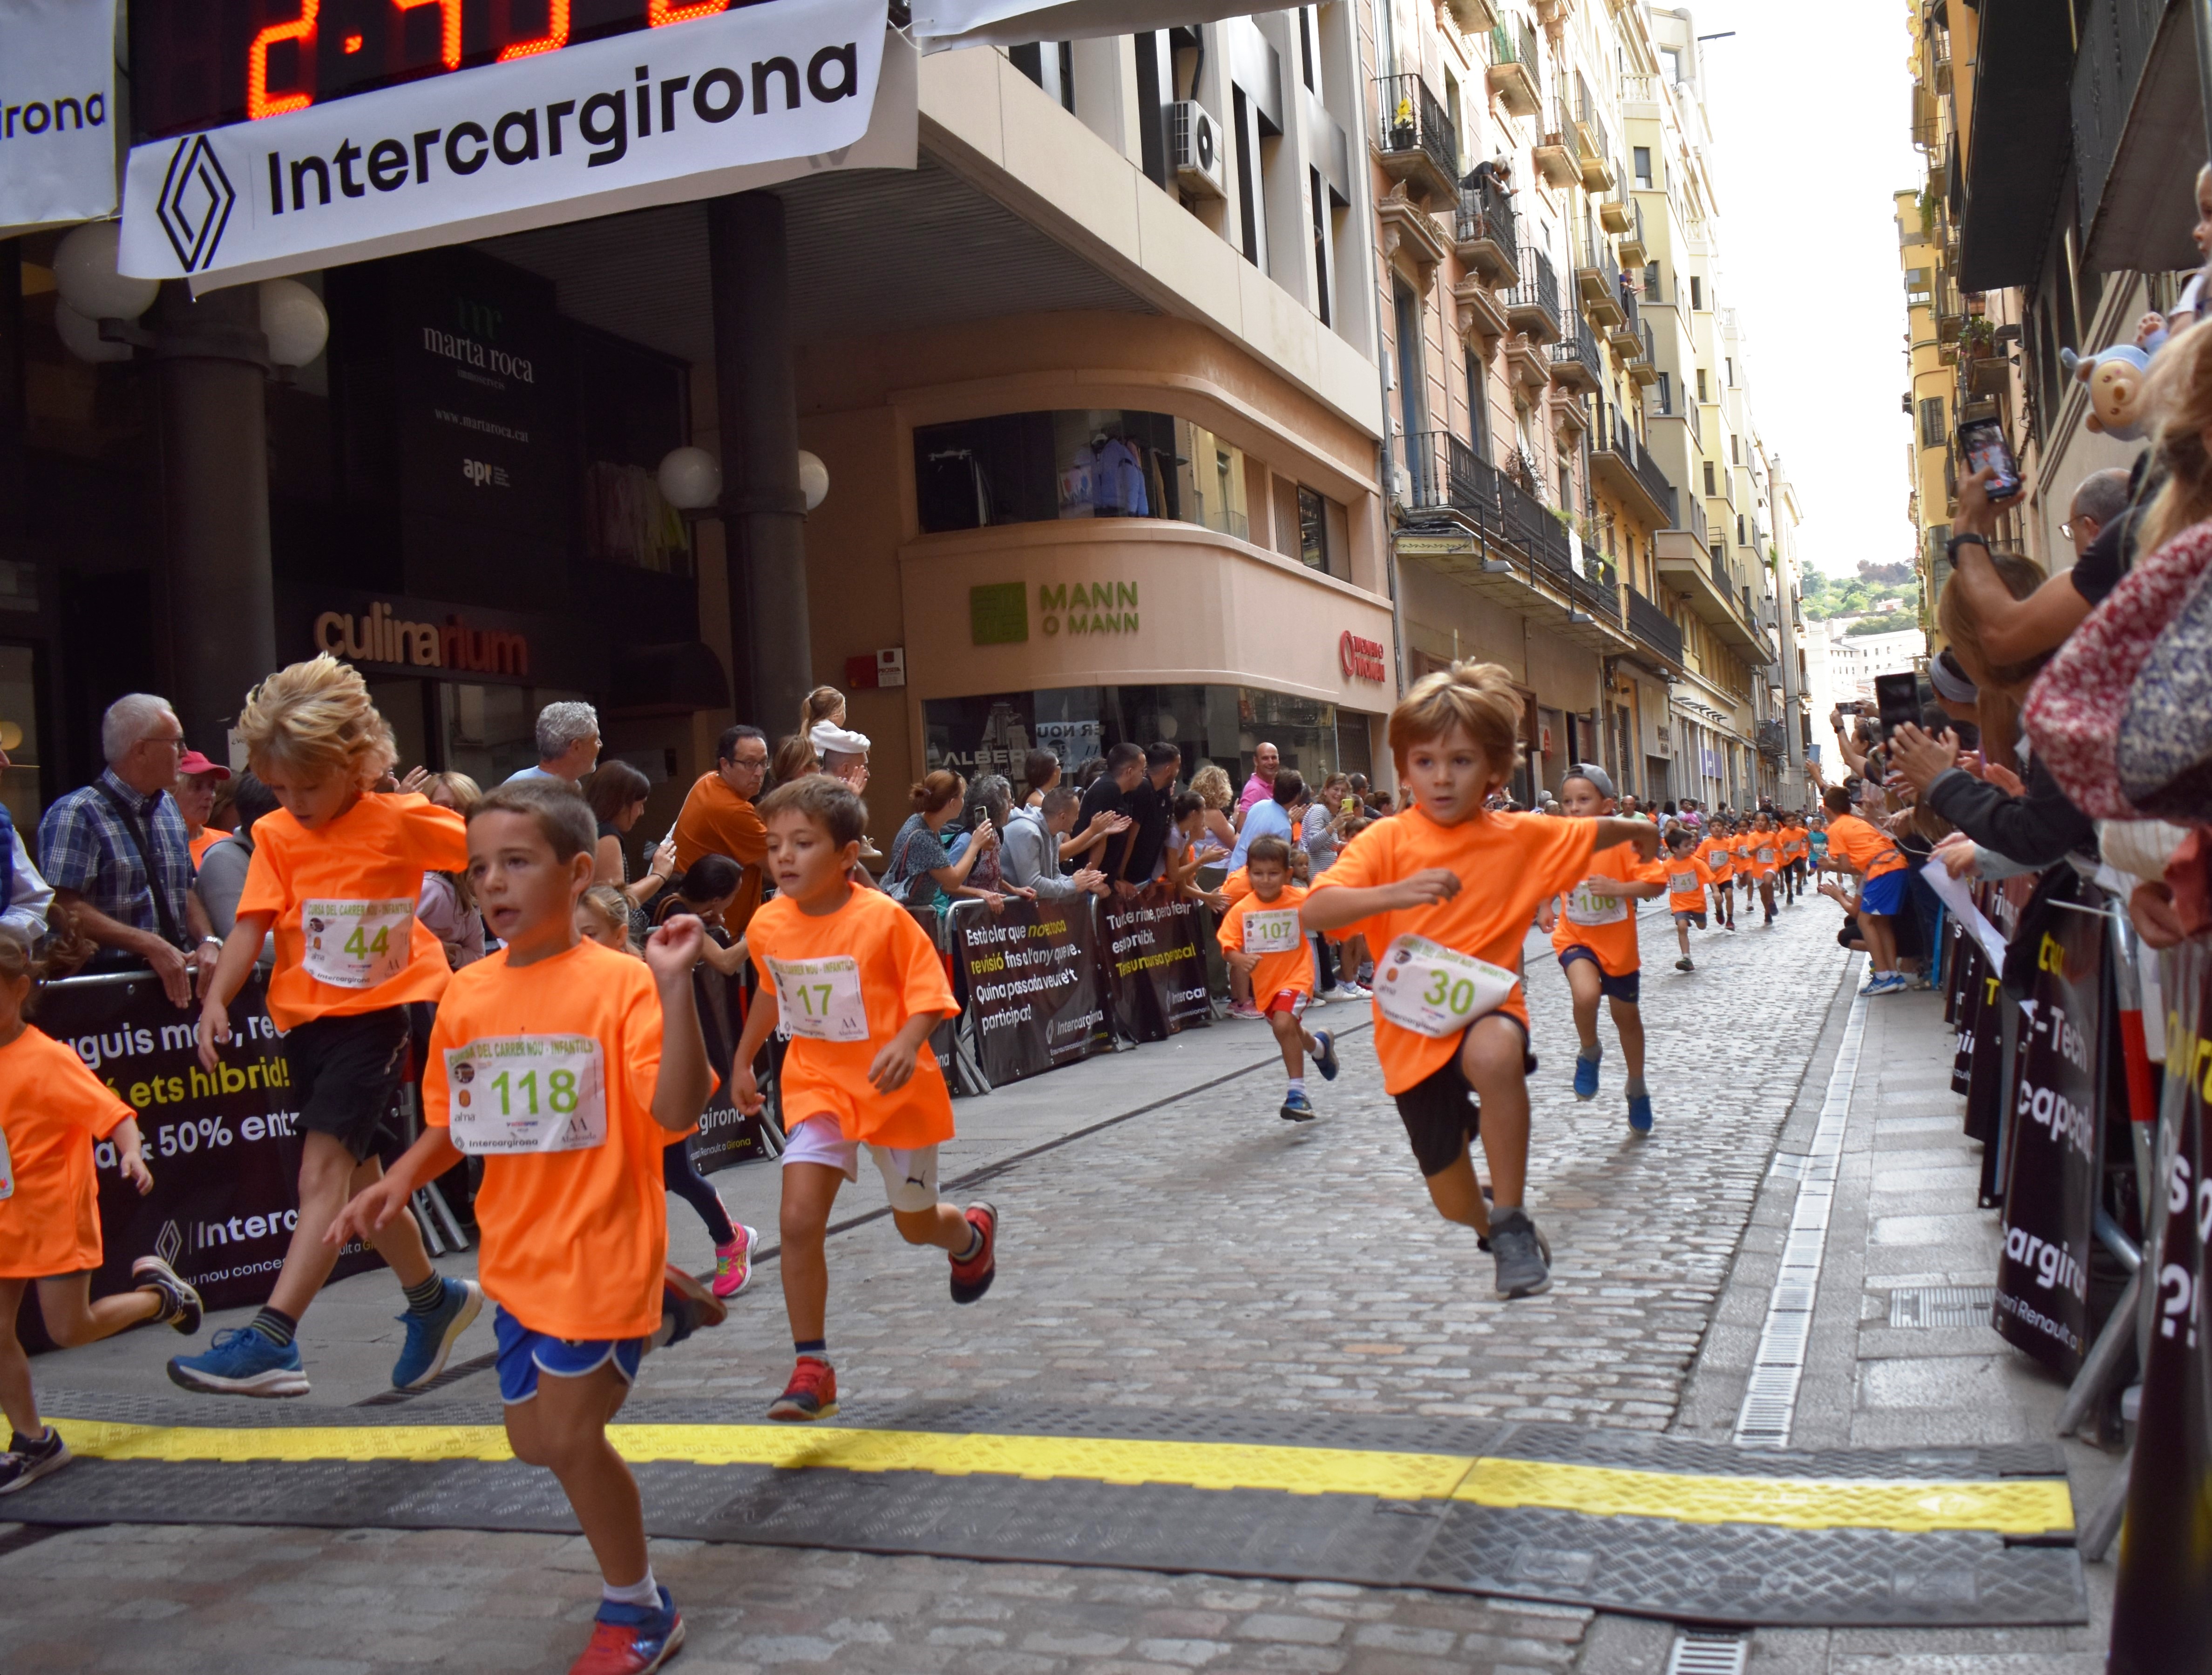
(820, 998)
(509, 1093)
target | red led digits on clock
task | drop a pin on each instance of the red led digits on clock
(259, 101)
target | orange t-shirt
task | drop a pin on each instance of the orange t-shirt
(573, 1242)
(890, 972)
(1613, 942)
(716, 821)
(1237, 886)
(209, 836)
(51, 1110)
(372, 857)
(1292, 969)
(1868, 851)
(1506, 863)
(1765, 854)
(1719, 858)
(1686, 877)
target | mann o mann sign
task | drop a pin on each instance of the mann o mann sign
(719, 104)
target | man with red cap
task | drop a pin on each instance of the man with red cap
(197, 779)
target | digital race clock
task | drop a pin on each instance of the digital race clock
(205, 63)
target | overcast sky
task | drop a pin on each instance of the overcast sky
(1810, 109)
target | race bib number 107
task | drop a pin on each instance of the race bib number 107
(509, 1094)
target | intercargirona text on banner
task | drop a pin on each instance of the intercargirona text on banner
(223, 1148)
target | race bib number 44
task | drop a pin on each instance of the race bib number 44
(1273, 932)
(820, 998)
(511, 1093)
(1432, 990)
(356, 944)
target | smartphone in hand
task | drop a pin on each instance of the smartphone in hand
(1983, 443)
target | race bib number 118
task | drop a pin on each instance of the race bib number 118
(509, 1094)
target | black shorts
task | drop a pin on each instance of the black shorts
(1439, 1112)
(346, 1073)
(1626, 990)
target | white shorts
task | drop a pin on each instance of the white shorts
(909, 1177)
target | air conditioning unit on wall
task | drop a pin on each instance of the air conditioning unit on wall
(1194, 140)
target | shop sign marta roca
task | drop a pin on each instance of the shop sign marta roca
(725, 103)
(57, 112)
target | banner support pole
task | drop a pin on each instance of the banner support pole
(2104, 1359)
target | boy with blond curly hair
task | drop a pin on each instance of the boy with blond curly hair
(1446, 891)
(336, 872)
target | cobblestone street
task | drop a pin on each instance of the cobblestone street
(1202, 1254)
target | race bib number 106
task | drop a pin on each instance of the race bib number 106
(509, 1093)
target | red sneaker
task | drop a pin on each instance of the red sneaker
(631, 1639)
(971, 1278)
(812, 1394)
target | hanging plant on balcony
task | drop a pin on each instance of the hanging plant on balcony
(1976, 337)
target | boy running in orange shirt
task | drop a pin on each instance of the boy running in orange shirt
(1718, 854)
(336, 871)
(857, 985)
(566, 1066)
(1593, 930)
(1855, 846)
(1261, 938)
(1687, 879)
(51, 1110)
(1766, 859)
(1445, 891)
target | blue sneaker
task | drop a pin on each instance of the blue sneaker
(1895, 983)
(242, 1363)
(1639, 1113)
(430, 1337)
(1586, 1075)
(1297, 1107)
(631, 1639)
(1324, 1055)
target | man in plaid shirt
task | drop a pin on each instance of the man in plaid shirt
(98, 866)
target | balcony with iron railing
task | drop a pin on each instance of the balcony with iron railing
(1514, 69)
(1634, 253)
(1415, 140)
(1678, 405)
(1592, 145)
(1651, 625)
(1575, 363)
(1553, 153)
(1644, 367)
(1625, 468)
(1483, 235)
(1597, 275)
(1627, 332)
(1532, 307)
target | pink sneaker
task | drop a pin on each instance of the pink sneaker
(733, 1264)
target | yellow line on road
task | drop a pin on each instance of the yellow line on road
(2019, 1506)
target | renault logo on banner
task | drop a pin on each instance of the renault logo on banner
(195, 202)
(725, 103)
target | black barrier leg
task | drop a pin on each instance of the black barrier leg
(441, 1228)
(2105, 1357)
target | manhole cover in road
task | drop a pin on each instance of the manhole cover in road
(1942, 1305)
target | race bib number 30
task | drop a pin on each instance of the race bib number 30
(516, 1094)
(356, 944)
(1274, 931)
(1586, 907)
(820, 998)
(1432, 990)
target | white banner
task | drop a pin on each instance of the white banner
(940, 25)
(726, 103)
(57, 112)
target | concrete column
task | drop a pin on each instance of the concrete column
(763, 513)
(216, 605)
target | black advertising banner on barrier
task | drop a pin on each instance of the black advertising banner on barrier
(1155, 973)
(223, 1149)
(2051, 1155)
(725, 1135)
(1030, 973)
(2162, 1602)
(1963, 1000)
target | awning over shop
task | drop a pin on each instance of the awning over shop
(667, 680)
(2022, 138)
(2138, 138)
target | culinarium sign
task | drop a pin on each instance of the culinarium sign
(718, 104)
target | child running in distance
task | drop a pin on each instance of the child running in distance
(52, 1110)
(1446, 891)
(1688, 880)
(1718, 852)
(1857, 845)
(1766, 859)
(1593, 930)
(338, 871)
(600, 918)
(857, 985)
(566, 1066)
(1260, 937)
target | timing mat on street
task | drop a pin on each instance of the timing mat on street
(1618, 1520)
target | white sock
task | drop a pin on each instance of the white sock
(646, 1593)
(1298, 1084)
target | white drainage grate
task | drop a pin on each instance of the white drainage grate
(1770, 1399)
(1942, 1305)
(1697, 1653)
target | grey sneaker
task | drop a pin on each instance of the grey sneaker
(1524, 1260)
